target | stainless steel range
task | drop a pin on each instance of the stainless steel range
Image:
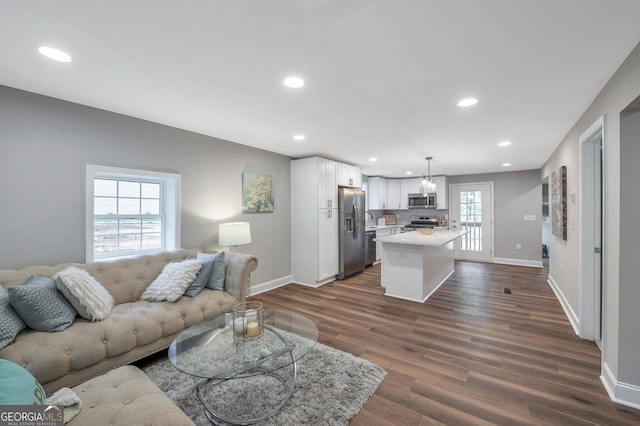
(422, 222)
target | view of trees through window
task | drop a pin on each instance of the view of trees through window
(127, 216)
(471, 220)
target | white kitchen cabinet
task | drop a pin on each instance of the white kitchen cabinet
(328, 263)
(349, 176)
(314, 226)
(327, 184)
(381, 233)
(408, 186)
(377, 193)
(442, 192)
(394, 201)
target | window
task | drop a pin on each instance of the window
(131, 212)
(471, 220)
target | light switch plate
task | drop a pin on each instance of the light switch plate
(529, 217)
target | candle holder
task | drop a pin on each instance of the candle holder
(247, 321)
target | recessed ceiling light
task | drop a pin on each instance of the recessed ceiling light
(373, 159)
(467, 102)
(506, 164)
(408, 173)
(299, 137)
(504, 143)
(55, 54)
(294, 82)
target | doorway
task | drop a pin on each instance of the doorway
(471, 210)
(591, 232)
(546, 223)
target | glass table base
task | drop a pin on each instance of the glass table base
(248, 399)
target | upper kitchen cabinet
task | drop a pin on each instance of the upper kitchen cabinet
(442, 192)
(394, 196)
(327, 184)
(319, 178)
(349, 176)
(377, 193)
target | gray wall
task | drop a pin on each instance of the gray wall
(620, 344)
(515, 194)
(46, 143)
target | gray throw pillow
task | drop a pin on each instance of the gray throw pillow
(216, 280)
(10, 322)
(201, 279)
(41, 306)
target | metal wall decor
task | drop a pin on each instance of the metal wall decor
(559, 203)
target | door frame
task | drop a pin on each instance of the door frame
(492, 204)
(591, 295)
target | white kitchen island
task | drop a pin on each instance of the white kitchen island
(415, 265)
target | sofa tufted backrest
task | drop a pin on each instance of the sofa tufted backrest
(125, 279)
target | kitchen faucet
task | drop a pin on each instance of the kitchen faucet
(370, 214)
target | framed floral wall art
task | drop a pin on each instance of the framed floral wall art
(257, 193)
(559, 203)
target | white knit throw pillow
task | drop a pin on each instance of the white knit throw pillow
(172, 282)
(85, 293)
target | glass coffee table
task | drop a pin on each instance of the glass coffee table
(244, 382)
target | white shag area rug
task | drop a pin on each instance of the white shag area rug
(331, 388)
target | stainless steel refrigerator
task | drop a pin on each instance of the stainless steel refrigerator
(351, 203)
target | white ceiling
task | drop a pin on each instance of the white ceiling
(382, 77)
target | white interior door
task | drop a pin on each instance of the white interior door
(470, 210)
(597, 240)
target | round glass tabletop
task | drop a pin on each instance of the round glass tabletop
(208, 350)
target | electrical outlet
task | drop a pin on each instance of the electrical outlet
(518, 246)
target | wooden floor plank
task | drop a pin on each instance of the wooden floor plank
(470, 354)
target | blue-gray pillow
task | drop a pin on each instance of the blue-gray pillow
(10, 322)
(41, 306)
(201, 280)
(216, 280)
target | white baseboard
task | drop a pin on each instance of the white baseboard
(620, 392)
(270, 285)
(568, 311)
(518, 262)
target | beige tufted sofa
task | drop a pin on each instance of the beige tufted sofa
(134, 328)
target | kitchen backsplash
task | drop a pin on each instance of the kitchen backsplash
(406, 216)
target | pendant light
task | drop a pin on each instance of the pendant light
(428, 184)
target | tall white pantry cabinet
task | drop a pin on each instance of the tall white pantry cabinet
(314, 220)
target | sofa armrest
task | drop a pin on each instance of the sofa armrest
(238, 268)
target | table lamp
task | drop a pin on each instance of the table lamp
(234, 234)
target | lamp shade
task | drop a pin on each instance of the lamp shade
(234, 233)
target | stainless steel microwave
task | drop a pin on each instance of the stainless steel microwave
(422, 201)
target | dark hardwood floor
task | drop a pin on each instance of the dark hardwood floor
(470, 355)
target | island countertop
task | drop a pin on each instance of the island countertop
(436, 239)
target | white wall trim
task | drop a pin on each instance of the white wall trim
(518, 262)
(568, 311)
(590, 281)
(170, 208)
(493, 212)
(620, 392)
(270, 285)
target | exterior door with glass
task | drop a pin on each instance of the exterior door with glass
(470, 210)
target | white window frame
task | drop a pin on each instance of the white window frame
(170, 207)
